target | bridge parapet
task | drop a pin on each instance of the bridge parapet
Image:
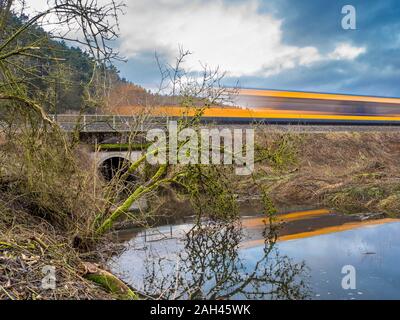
(106, 123)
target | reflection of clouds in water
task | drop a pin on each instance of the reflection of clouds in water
(324, 255)
(131, 263)
(352, 243)
(206, 264)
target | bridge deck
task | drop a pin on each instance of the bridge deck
(125, 124)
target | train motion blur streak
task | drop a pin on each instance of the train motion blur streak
(272, 106)
(320, 106)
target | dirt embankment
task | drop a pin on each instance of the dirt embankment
(350, 172)
(49, 200)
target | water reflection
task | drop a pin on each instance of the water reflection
(373, 250)
(243, 259)
(208, 263)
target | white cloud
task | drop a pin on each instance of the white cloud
(345, 51)
(234, 36)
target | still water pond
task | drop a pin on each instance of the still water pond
(243, 260)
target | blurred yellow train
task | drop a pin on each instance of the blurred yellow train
(273, 106)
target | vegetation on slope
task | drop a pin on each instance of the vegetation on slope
(351, 172)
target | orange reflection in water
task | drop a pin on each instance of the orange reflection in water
(313, 233)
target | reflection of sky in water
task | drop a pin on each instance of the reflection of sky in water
(373, 250)
(378, 274)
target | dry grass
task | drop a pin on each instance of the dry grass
(27, 245)
(350, 172)
(50, 198)
(41, 175)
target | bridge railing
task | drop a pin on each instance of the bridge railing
(102, 123)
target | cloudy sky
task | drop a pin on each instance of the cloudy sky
(277, 44)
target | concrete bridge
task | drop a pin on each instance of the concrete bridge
(101, 157)
(95, 129)
(113, 129)
(103, 123)
(123, 124)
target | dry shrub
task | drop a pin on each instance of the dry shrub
(347, 171)
(43, 175)
(50, 198)
(390, 205)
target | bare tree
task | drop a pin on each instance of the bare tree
(86, 23)
(194, 94)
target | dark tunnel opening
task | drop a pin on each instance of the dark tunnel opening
(112, 166)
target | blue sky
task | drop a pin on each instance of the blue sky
(278, 44)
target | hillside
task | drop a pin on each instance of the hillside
(60, 82)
